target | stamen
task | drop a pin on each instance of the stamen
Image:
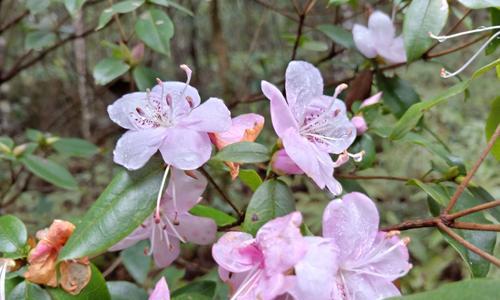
(176, 233)
(392, 233)
(251, 278)
(446, 74)
(160, 194)
(152, 246)
(442, 38)
(357, 157)
(339, 89)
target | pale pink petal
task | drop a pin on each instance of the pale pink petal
(141, 233)
(186, 189)
(364, 41)
(301, 151)
(164, 253)
(184, 97)
(352, 223)
(135, 148)
(381, 28)
(283, 164)
(244, 127)
(211, 116)
(235, 252)
(120, 111)
(197, 230)
(186, 149)
(302, 79)
(279, 236)
(362, 287)
(372, 100)
(395, 52)
(280, 111)
(161, 291)
(269, 287)
(360, 124)
(316, 271)
(326, 167)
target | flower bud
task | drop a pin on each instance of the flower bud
(282, 164)
(137, 53)
(18, 150)
(360, 124)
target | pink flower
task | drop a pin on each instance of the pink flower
(161, 291)
(310, 124)
(353, 260)
(170, 119)
(371, 100)
(259, 268)
(379, 39)
(360, 124)
(175, 224)
(244, 128)
(282, 164)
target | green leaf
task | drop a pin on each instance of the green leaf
(136, 262)
(491, 124)
(220, 217)
(314, 46)
(168, 3)
(244, 152)
(366, 144)
(95, 289)
(477, 289)
(477, 4)
(124, 290)
(75, 147)
(398, 94)
(250, 178)
(199, 288)
(73, 6)
(7, 141)
(272, 199)
(121, 7)
(422, 17)
(155, 29)
(37, 40)
(483, 195)
(37, 6)
(338, 34)
(125, 203)
(436, 191)
(28, 291)
(495, 21)
(13, 234)
(145, 77)
(108, 69)
(49, 171)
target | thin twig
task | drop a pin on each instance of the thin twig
(473, 209)
(221, 192)
(457, 48)
(475, 226)
(411, 224)
(14, 21)
(452, 28)
(370, 177)
(112, 267)
(472, 171)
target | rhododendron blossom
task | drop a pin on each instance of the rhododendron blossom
(161, 291)
(282, 164)
(168, 118)
(353, 260)
(260, 268)
(310, 124)
(379, 39)
(175, 224)
(244, 128)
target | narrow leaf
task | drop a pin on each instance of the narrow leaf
(49, 171)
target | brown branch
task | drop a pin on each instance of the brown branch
(457, 48)
(221, 192)
(472, 171)
(372, 177)
(468, 245)
(473, 209)
(14, 21)
(112, 267)
(475, 226)
(411, 224)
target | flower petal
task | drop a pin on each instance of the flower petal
(362, 287)
(186, 149)
(75, 276)
(120, 111)
(229, 252)
(186, 189)
(184, 97)
(164, 253)
(244, 128)
(211, 116)
(135, 148)
(372, 100)
(279, 236)
(139, 234)
(281, 114)
(381, 29)
(317, 269)
(283, 164)
(197, 230)
(161, 291)
(396, 52)
(364, 41)
(352, 223)
(304, 80)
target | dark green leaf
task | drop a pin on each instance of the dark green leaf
(201, 288)
(13, 234)
(422, 17)
(477, 4)
(49, 171)
(73, 6)
(155, 29)
(75, 147)
(250, 178)
(136, 262)
(436, 191)
(95, 289)
(483, 195)
(37, 40)
(338, 34)
(398, 94)
(314, 46)
(126, 202)
(220, 217)
(477, 289)
(169, 3)
(244, 152)
(7, 141)
(272, 199)
(121, 7)
(491, 124)
(108, 69)
(28, 291)
(495, 21)
(145, 77)
(124, 290)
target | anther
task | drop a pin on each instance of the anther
(392, 233)
(406, 240)
(169, 100)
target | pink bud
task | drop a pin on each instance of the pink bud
(372, 100)
(360, 124)
(137, 52)
(283, 164)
